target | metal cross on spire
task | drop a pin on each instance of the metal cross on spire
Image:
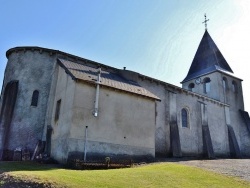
(205, 22)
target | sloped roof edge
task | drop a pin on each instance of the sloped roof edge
(88, 74)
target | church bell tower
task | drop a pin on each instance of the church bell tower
(211, 75)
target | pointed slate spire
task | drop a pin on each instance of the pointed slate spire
(207, 59)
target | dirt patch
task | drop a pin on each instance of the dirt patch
(7, 181)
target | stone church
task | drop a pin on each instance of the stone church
(70, 107)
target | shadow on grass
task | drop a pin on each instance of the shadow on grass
(10, 166)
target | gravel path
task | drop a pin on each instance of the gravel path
(233, 167)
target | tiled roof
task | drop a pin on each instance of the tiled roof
(110, 79)
(207, 59)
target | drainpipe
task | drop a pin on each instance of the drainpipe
(97, 93)
(85, 144)
(95, 113)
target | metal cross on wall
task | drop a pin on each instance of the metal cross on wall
(205, 21)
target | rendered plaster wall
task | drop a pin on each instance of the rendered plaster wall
(236, 102)
(244, 140)
(64, 91)
(191, 137)
(162, 132)
(233, 98)
(216, 88)
(33, 70)
(218, 91)
(125, 124)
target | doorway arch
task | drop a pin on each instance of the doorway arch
(8, 105)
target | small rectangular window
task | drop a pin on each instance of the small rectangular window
(207, 85)
(58, 106)
(34, 99)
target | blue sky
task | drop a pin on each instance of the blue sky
(157, 38)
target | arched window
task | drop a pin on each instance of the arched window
(206, 82)
(191, 87)
(234, 87)
(35, 96)
(184, 117)
(225, 85)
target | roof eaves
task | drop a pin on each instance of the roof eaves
(219, 69)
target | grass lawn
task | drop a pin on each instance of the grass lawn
(155, 175)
